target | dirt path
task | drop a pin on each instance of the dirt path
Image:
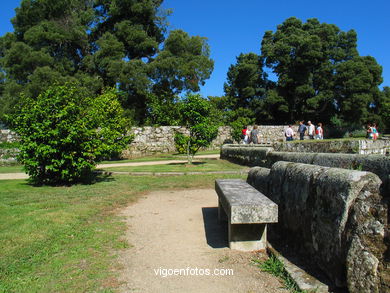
(179, 230)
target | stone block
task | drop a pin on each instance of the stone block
(247, 212)
(324, 213)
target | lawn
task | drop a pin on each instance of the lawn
(11, 169)
(204, 165)
(161, 157)
(65, 239)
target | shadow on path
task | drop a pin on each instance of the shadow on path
(216, 233)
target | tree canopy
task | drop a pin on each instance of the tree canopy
(95, 44)
(320, 76)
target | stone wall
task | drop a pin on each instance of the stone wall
(333, 216)
(362, 146)
(7, 135)
(8, 156)
(151, 140)
(265, 157)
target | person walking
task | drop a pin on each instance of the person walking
(375, 133)
(319, 132)
(289, 133)
(301, 130)
(310, 129)
(245, 135)
(254, 135)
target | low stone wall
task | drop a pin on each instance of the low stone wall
(363, 146)
(151, 140)
(333, 216)
(156, 140)
(8, 156)
(265, 157)
(7, 135)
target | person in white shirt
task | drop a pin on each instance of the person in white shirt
(319, 132)
(310, 129)
(289, 133)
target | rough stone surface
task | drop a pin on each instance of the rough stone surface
(266, 157)
(152, 140)
(244, 204)
(7, 156)
(302, 278)
(324, 213)
(7, 135)
(247, 212)
(250, 155)
(363, 146)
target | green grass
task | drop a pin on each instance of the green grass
(161, 157)
(205, 165)
(11, 169)
(275, 267)
(65, 239)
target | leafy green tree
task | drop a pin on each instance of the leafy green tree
(163, 110)
(383, 106)
(246, 81)
(320, 73)
(196, 117)
(95, 44)
(64, 132)
(182, 65)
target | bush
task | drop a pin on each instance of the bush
(64, 133)
(9, 145)
(196, 116)
(359, 133)
(181, 143)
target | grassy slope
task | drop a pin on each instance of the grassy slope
(60, 239)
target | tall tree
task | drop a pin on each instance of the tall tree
(246, 81)
(315, 64)
(97, 44)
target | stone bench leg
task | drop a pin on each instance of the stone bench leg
(222, 217)
(248, 237)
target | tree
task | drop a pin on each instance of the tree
(246, 81)
(98, 44)
(383, 107)
(320, 73)
(196, 117)
(64, 132)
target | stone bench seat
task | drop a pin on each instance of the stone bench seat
(247, 211)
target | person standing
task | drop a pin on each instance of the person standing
(374, 132)
(245, 135)
(310, 129)
(301, 130)
(289, 133)
(319, 132)
(254, 136)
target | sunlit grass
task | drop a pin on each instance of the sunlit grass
(64, 239)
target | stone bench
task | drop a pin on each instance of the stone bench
(248, 211)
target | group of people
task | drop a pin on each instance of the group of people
(252, 136)
(312, 131)
(372, 132)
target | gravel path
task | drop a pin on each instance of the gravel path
(179, 230)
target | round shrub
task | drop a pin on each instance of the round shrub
(64, 133)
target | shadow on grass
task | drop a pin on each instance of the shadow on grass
(88, 179)
(186, 164)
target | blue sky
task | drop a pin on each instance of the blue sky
(233, 27)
